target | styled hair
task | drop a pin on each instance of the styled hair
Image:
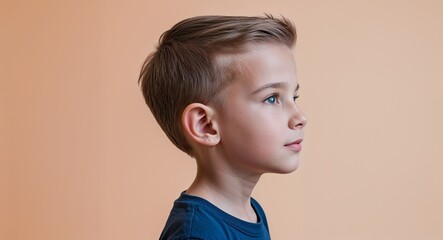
(190, 64)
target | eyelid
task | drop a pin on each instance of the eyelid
(278, 97)
(275, 95)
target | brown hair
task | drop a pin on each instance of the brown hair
(186, 67)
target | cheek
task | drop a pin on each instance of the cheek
(256, 130)
(251, 124)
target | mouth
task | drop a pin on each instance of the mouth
(295, 145)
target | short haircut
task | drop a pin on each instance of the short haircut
(187, 66)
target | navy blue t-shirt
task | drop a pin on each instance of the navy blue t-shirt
(195, 218)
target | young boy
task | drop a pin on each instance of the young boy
(223, 89)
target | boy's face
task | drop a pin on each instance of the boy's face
(259, 122)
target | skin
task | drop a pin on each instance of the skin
(251, 133)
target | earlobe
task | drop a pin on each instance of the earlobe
(199, 124)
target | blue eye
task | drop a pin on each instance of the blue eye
(271, 99)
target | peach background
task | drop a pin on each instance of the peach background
(82, 157)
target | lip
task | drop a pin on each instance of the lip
(295, 145)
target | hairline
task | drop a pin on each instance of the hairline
(232, 62)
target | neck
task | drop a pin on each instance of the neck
(228, 190)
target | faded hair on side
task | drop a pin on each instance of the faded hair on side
(186, 66)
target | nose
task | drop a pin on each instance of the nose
(297, 118)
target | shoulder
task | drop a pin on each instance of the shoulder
(195, 218)
(191, 218)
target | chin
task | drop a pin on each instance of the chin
(289, 168)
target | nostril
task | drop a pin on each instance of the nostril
(297, 121)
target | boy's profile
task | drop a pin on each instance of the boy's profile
(223, 89)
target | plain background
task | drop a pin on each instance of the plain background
(83, 158)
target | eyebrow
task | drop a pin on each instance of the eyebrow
(273, 85)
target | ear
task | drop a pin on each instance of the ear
(199, 124)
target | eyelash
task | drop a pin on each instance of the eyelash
(276, 96)
(273, 96)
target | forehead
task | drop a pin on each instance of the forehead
(257, 65)
(265, 63)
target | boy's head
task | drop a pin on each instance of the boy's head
(196, 59)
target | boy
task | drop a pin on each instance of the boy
(223, 89)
